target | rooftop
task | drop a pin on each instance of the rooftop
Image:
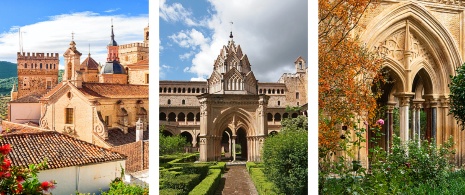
(60, 150)
(116, 137)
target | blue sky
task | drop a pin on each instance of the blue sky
(47, 25)
(272, 34)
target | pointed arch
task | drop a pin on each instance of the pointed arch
(439, 43)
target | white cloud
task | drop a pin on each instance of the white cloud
(164, 69)
(198, 79)
(174, 12)
(111, 10)
(189, 39)
(186, 55)
(272, 34)
(54, 35)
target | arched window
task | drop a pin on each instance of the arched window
(46, 66)
(183, 102)
(169, 102)
(161, 89)
(172, 117)
(164, 90)
(181, 117)
(279, 103)
(40, 65)
(297, 95)
(169, 90)
(269, 117)
(277, 117)
(190, 116)
(162, 116)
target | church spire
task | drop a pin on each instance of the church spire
(112, 41)
(112, 47)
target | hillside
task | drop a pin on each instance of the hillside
(8, 70)
(6, 84)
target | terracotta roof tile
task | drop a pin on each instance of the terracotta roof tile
(60, 150)
(31, 98)
(116, 137)
(90, 63)
(54, 90)
(109, 90)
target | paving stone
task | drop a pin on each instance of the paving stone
(236, 180)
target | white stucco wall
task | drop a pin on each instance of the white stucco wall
(91, 178)
(24, 112)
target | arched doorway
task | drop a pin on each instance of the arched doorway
(188, 137)
(226, 144)
(241, 144)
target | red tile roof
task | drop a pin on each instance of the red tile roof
(109, 90)
(116, 137)
(31, 98)
(54, 90)
(60, 150)
(90, 63)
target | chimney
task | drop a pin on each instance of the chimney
(139, 130)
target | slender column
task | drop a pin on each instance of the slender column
(389, 126)
(414, 121)
(418, 111)
(404, 125)
(234, 147)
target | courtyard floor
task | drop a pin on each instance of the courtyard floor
(236, 180)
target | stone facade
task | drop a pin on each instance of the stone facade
(422, 42)
(231, 107)
(133, 52)
(37, 73)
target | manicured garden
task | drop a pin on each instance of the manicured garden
(180, 175)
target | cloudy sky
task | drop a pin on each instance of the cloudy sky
(48, 26)
(273, 33)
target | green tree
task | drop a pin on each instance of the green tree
(171, 144)
(457, 96)
(285, 156)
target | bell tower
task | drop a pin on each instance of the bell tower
(72, 61)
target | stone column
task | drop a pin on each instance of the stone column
(414, 121)
(404, 112)
(418, 125)
(203, 149)
(234, 147)
(389, 126)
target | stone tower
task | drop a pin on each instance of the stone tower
(113, 71)
(134, 52)
(37, 72)
(72, 61)
(296, 83)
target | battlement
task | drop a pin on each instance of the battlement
(41, 56)
(132, 45)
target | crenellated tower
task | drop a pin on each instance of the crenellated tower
(37, 72)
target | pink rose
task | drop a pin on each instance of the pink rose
(380, 122)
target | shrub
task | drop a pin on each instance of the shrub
(219, 165)
(209, 184)
(119, 187)
(285, 160)
(170, 192)
(261, 182)
(171, 144)
(185, 183)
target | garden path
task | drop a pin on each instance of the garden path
(236, 180)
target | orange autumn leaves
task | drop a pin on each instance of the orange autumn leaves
(348, 73)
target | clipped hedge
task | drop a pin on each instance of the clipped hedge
(219, 165)
(185, 183)
(261, 183)
(170, 192)
(208, 185)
